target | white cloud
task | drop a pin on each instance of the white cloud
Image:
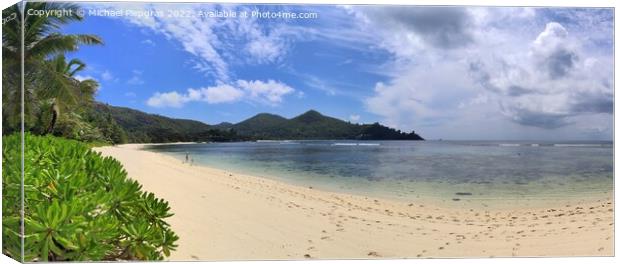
(354, 118)
(264, 49)
(552, 81)
(169, 99)
(421, 97)
(148, 42)
(316, 83)
(499, 73)
(197, 37)
(265, 44)
(216, 94)
(269, 92)
(217, 43)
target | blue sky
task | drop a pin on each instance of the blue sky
(445, 72)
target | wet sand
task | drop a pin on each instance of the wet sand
(220, 215)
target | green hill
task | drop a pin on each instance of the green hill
(314, 125)
(144, 128)
(263, 126)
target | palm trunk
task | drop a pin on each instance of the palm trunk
(54, 110)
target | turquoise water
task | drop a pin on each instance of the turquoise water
(457, 172)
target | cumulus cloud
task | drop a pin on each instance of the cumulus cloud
(169, 99)
(497, 68)
(555, 79)
(552, 51)
(268, 92)
(421, 96)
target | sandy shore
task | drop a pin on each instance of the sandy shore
(227, 216)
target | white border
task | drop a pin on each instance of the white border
(554, 3)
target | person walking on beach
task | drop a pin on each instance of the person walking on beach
(186, 157)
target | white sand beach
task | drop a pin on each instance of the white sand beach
(220, 215)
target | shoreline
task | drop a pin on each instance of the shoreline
(220, 215)
(463, 196)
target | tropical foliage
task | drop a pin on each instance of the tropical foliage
(79, 205)
(55, 99)
(141, 127)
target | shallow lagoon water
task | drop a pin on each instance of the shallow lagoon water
(474, 173)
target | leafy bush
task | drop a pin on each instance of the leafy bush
(72, 126)
(79, 205)
(11, 202)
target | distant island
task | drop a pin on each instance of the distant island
(133, 126)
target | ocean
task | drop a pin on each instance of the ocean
(454, 173)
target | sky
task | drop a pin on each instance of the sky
(495, 73)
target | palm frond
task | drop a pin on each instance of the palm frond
(88, 39)
(51, 45)
(57, 85)
(74, 66)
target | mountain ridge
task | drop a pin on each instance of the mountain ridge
(313, 125)
(142, 127)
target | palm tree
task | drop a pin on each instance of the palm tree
(42, 43)
(11, 71)
(67, 91)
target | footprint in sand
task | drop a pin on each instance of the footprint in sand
(374, 254)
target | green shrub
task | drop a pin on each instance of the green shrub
(11, 202)
(79, 205)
